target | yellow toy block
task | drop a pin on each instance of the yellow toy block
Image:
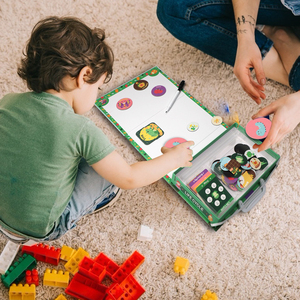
(66, 252)
(54, 278)
(61, 297)
(209, 296)
(20, 292)
(181, 265)
(72, 264)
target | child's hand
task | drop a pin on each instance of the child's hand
(182, 154)
(286, 112)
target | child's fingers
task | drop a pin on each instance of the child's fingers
(188, 144)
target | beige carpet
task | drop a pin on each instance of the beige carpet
(253, 256)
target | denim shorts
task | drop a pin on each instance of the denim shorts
(90, 190)
(209, 25)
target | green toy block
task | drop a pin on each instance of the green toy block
(16, 271)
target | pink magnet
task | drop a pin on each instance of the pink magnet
(124, 103)
(174, 142)
(258, 128)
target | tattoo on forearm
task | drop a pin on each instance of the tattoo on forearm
(243, 20)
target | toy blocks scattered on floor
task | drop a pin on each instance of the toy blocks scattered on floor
(16, 272)
(181, 265)
(56, 278)
(20, 292)
(32, 277)
(94, 279)
(7, 256)
(87, 282)
(209, 296)
(44, 253)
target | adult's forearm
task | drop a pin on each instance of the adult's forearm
(245, 12)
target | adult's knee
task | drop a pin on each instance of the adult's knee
(168, 13)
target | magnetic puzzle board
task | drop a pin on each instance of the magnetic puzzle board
(138, 110)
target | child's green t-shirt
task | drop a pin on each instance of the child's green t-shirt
(42, 141)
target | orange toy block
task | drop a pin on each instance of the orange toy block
(20, 292)
(181, 265)
(54, 278)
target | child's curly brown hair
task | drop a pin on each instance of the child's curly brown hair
(63, 46)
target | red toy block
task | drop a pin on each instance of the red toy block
(129, 266)
(43, 253)
(91, 269)
(132, 288)
(85, 288)
(32, 277)
(114, 292)
(110, 266)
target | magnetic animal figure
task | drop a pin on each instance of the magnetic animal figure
(261, 128)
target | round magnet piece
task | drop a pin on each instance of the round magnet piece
(258, 128)
(223, 161)
(174, 142)
(255, 163)
(193, 126)
(216, 167)
(241, 148)
(240, 158)
(264, 162)
(158, 90)
(249, 154)
(216, 120)
(124, 103)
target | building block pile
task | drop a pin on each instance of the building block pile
(91, 279)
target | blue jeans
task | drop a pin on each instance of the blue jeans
(209, 25)
(90, 190)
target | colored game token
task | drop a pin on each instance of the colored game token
(241, 148)
(249, 154)
(245, 179)
(140, 85)
(258, 128)
(216, 167)
(240, 158)
(224, 161)
(216, 120)
(264, 162)
(124, 103)
(193, 126)
(158, 90)
(247, 166)
(174, 142)
(255, 163)
(229, 180)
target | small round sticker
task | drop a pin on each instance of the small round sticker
(124, 103)
(140, 85)
(193, 126)
(217, 120)
(158, 90)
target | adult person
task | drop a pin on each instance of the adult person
(229, 31)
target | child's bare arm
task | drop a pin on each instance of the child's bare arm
(117, 171)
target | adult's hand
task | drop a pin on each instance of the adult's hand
(248, 57)
(286, 117)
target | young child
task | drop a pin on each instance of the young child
(55, 165)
